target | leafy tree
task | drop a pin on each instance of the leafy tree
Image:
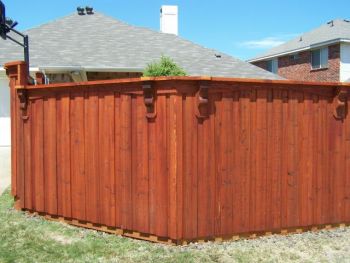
(164, 67)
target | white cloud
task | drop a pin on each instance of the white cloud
(267, 42)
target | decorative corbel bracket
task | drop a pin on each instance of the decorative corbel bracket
(23, 102)
(149, 94)
(340, 103)
(203, 100)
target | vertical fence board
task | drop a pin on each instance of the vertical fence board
(270, 185)
(245, 165)
(172, 116)
(140, 173)
(92, 156)
(106, 158)
(118, 171)
(276, 159)
(292, 160)
(190, 169)
(236, 195)
(347, 168)
(38, 155)
(338, 172)
(225, 165)
(261, 159)
(179, 107)
(284, 162)
(316, 156)
(64, 156)
(28, 177)
(14, 122)
(50, 157)
(161, 173)
(252, 177)
(77, 156)
(206, 172)
(326, 145)
(125, 161)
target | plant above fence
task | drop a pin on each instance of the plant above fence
(165, 67)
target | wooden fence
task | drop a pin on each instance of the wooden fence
(182, 158)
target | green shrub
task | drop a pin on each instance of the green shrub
(165, 67)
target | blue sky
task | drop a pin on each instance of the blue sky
(240, 28)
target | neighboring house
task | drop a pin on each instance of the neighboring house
(94, 47)
(322, 54)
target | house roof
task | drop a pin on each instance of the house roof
(334, 31)
(101, 43)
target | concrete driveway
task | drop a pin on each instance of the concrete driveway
(5, 168)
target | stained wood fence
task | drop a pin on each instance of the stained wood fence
(182, 158)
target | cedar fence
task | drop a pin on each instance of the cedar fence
(175, 159)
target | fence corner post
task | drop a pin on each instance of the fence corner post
(18, 80)
(17, 71)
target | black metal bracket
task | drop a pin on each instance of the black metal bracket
(7, 26)
(25, 45)
(149, 94)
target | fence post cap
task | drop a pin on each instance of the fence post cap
(14, 63)
(18, 71)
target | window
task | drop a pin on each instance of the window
(319, 58)
(272, 65)
(294, 57)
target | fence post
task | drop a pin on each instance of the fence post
(18, 76)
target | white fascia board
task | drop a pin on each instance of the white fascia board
(278, 55)
(59, 69)
(111, 69)
(64, 69)
(313, 46)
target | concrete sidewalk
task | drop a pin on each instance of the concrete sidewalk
(5, 168)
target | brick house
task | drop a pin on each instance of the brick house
(322, 54)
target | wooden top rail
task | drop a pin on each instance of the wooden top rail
(214, 80)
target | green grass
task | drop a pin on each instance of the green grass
(25, 238)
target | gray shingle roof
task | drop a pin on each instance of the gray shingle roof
(99, 41)
(337, 30)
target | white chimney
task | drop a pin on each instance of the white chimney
(169, 19)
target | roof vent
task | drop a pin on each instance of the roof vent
(81, 10)
(331, 23)
(89, 10)
(218, 55)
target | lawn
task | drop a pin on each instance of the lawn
(25, 238)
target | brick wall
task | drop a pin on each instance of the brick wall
(300, 69)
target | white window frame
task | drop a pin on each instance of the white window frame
(323, 53)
